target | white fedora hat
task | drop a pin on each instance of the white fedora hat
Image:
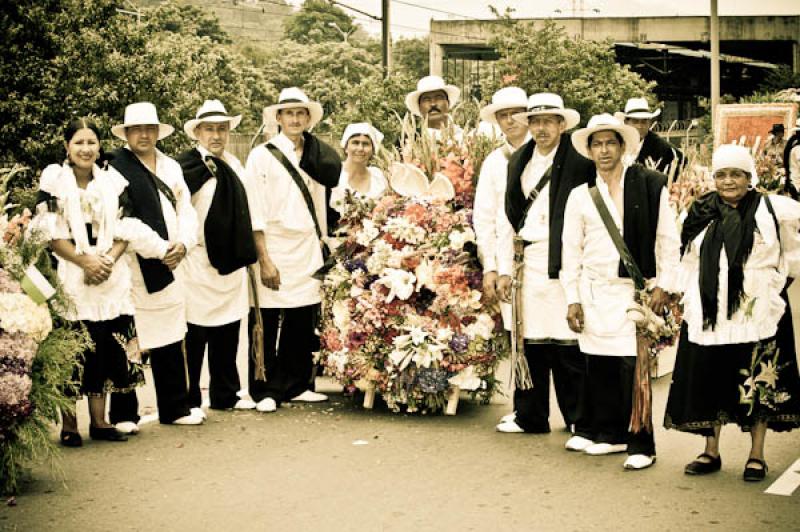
(362, 128)
(431, 84)
(294, 97)
(505, 98)
(141, 114)
(210, 111)
(637, 108)
(604, 122)
(547, 103)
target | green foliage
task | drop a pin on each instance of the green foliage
(185, 20)
(65, 58)
(542, 58)
(781, 78)
(412, 56)
(314, 23)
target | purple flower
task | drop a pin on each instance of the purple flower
(475, 279)
(433, 380)
(459, 343)
(355, 264)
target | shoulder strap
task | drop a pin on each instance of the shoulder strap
(616, 237)
(771, 210)
(532, 197)
(297, 178)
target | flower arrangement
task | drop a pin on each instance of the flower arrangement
(37, 351)
(402, 307)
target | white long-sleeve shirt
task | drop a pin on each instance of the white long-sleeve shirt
(489, 209)
(590, 270)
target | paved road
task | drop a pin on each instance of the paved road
(301, 469)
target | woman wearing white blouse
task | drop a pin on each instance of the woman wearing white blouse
(80, 213)
(360, 142)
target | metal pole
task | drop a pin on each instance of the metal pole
(387, 39)
(714, 36)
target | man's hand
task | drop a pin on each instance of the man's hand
(270, 276)
(174, 256)
(504, 288)
(658, 300)
(96, 268)
(575, 317)
(490, 289)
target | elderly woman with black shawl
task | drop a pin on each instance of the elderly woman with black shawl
(736, 361)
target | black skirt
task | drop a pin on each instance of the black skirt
(735, 383)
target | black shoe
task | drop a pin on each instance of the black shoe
(106, 434)
(71, 439)
(753, 474)
(701, 467)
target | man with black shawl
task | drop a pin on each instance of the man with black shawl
(216, 269)
(651, 151)
(291, 176)
(541, 175)
(158, 196)
(631, 204)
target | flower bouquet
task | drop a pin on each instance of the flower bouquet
(36, 351)
(402, 310)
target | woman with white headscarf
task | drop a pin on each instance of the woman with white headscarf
(360, 142)
(736, 361)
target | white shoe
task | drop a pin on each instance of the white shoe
(578, 443)
(639, 461)
(599, 449)
(267, 405)
(509, 417)
(198, 412)
(127, 427)
(244, 404)
(191, 419)
(509, 427)
(310, 397)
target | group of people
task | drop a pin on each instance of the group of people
(166, 245)
(785, 153)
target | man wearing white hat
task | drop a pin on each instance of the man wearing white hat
(291, 177)
(432, 101)
(157, 195)
(540, 176)
(216, 269)
(600, 286)
(491, 189)
(653, 151)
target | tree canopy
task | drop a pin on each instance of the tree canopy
(315, 21)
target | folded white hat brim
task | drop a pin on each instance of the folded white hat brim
(412, 98)
(571, 117)
(580, 138)
(164, 130)
(192, 124)
(489, 113)
(314, 110)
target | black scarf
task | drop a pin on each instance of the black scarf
(228, 232)
(731, 227)
(320, 161)
(145, 204)
(570, 169)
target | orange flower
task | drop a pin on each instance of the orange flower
(415, 213)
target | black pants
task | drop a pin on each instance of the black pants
(567, 365)
(605, 411)
(223, 342)
(288, 357)
(172, 388)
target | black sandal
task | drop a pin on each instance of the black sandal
(701, 467)
(106, 434)
(71, 439)
(752, 474)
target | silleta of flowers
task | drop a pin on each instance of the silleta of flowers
(402, 308)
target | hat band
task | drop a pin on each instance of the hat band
(291, 100)
(648, 111)
(209, 114)
(544, 108)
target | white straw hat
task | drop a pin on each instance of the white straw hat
(505, 98)
(547, 103)
(604, 122)
(292, 97)
(362, 128)
(637, 108)
(210, 111)
(431, 84)
(141, 114)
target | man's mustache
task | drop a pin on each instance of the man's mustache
(434, 108)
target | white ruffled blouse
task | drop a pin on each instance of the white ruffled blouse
(765, 273)
(377, 186)
(97, 206)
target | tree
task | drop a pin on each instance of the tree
(186, 20)
(412, 56)
(314, 23)
(545, 59)
(781, 78)
(66, 58)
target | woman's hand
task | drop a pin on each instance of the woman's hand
(174, 256)
(96, 269)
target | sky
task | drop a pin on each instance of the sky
(409, 20)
